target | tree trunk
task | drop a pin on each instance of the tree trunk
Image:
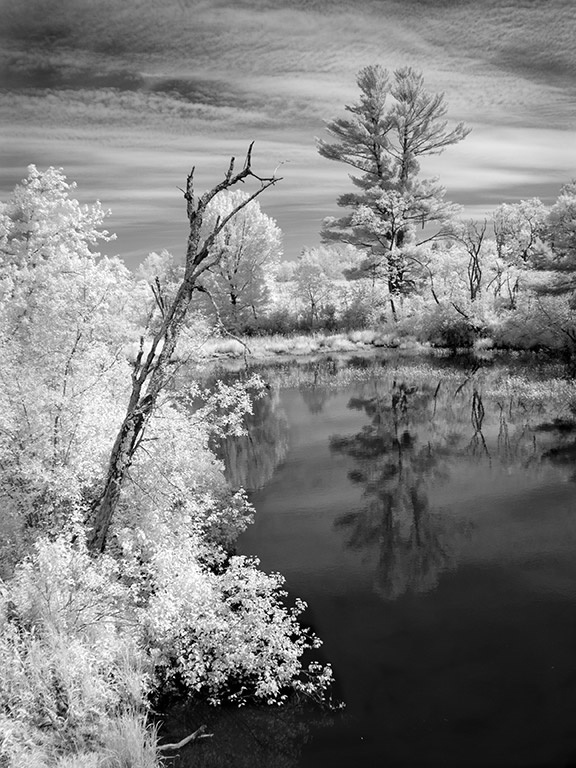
(393, 308)
(151, 374)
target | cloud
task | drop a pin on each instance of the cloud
(299, 59)
(494, 157)
(127, 95)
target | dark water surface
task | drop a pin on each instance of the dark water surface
(427, 514)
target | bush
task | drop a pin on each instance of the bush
(546, 323)
(356, 317)
(220, 627)
(278, 322)
(362, 337)
(83, 640)
(442, 326)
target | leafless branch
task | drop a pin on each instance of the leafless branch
(157, 291)
(153, 371)
(199, 733)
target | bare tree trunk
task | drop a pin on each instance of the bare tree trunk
(393, 308)
(153, 372)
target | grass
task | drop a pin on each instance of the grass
(270, 347)
(127, 741)
(130, 743)
(73, 677)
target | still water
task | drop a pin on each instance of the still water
(426, 512)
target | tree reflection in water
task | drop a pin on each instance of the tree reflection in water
(315, 393)
(395, 460)
(428, 423)
(563, 453)
(421, 430)
(250, 460)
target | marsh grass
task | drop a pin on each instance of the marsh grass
(58, 697)
(73, 682)
(127, 741)
(130, 742)
(86, 760)
(526, 377)
(302, 345)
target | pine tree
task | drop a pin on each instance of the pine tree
(394, 124)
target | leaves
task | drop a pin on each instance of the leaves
(64, 320)
(242, 257)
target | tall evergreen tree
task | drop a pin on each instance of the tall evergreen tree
(394, 124)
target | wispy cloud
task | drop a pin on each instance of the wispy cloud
(126, 95)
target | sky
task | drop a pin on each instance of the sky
(127, 95)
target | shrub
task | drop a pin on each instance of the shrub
(538, 323)
(356, 317)
(443, 326)
(362, 337)
(277, 322)
(222, 629)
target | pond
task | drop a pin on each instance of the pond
(426, 512)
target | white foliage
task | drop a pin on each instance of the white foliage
(242, 255)
(65, 313)
(77, 630)
(225, 633)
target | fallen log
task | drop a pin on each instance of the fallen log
(198, 734)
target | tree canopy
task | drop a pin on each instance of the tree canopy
(242, 258)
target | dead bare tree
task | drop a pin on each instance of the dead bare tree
(153, 369)
(471, 235)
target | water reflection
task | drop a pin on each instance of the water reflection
(247, 737)
(314, 392)
(419, 435)
(424, 429)
(250, 460)
(396, 455)
(316, 397)
(447, 488)
(563, 453)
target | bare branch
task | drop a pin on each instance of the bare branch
(157, 291)
(231, 180)
(248, 161)
(460, 311)
(198, 734)
(426, 266)
(230, 170)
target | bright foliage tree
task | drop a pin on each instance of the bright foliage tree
(561, 236)
(520, 230)
(242, 258)
(64, 320)
(314, 274)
